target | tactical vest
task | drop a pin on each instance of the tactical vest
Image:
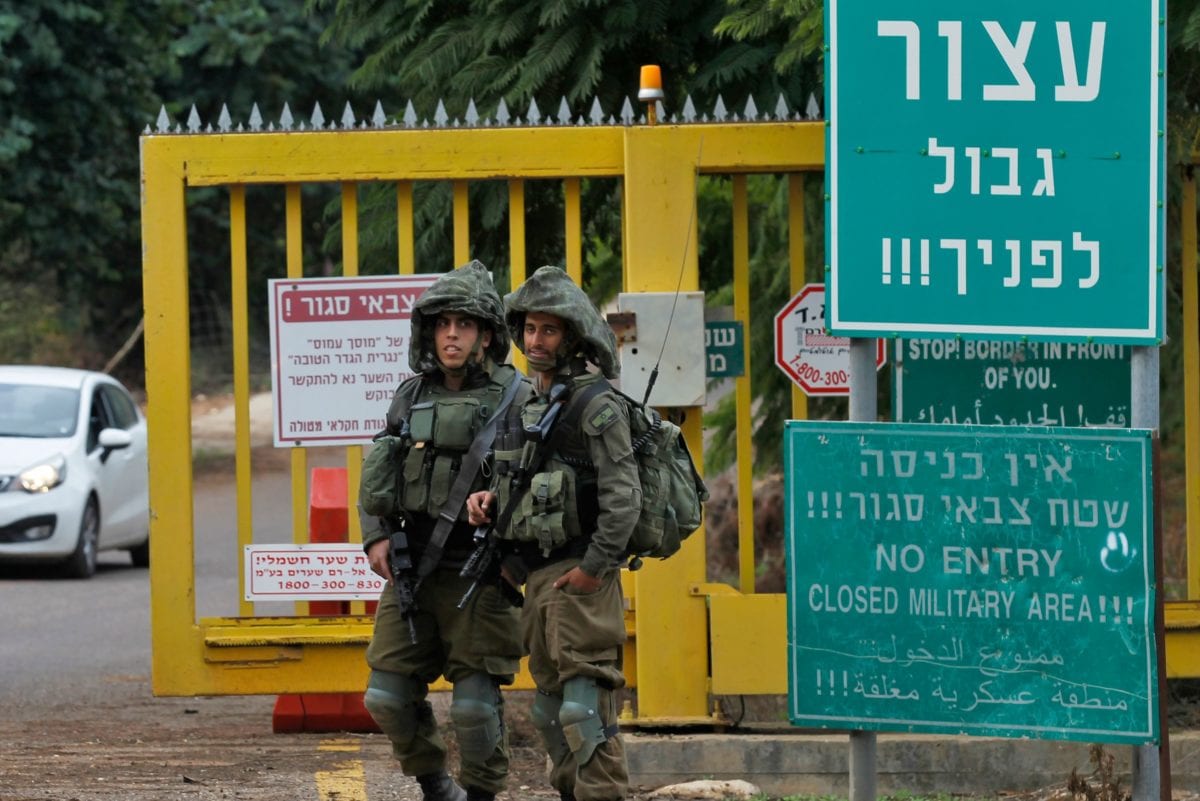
(561, 501)
(429, 430)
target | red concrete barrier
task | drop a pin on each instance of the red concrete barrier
(328, 521)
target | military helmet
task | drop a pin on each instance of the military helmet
(467, 290)
(551, 291)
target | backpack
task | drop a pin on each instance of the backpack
(673, 493)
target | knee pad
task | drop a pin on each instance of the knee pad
(475, 713)
(544, 716)
(397, 703)
(582, 726)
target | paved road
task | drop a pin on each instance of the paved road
(78, 719)
(83, 636)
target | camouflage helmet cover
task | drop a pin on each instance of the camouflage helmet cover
(551, 291)
(467, 290)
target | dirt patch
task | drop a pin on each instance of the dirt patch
(142, 748)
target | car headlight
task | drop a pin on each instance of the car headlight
(43, 477)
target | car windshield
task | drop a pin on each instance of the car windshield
(29, 410)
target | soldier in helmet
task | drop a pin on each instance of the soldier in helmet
(570, 535)
(459, 343)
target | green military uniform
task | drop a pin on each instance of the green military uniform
(579, 510)
(430, 427)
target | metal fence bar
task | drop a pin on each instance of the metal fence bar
(241, 380)
(573, 229)
(405, 234)
(797, 266)
(743, 399)
(462, 224)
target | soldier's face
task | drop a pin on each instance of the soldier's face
(543, 335)
(454, 337)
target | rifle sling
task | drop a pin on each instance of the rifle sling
(468, 469)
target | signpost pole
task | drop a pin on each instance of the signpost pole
(1151, 763)
(863, 407)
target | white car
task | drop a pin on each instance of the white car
(73, 474)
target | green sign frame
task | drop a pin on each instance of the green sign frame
(967, 580)
(996, 170)
(1011, 383)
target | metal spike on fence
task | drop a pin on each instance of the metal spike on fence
(146, 130)
(472, 116)
(317, 118)
(659, 110)
(208, 127)
(689, 110)
(596, 115)
(751, 112)
(163, 123)
(410, 116)
(719, 113)
(193, 122)
(178, 129)
(564, 112)
(239, 128)
(439, 116)
(812, 110)
(224, 122)
(348, 119)
(271, 127)
(256, 120)
(627, 113)
(286, 121)
(502, 117)
(534, 117)
(781, 109)
(378, 119)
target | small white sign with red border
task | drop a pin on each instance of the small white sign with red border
(331, 571)
(817, 361)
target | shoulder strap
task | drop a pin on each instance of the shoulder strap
(468, 468)
(402, 401)
(575, 406)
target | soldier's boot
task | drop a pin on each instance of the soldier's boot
(566, 796)
(440, 787)
(475, 794)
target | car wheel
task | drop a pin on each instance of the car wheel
(140, 554)
(82, 563)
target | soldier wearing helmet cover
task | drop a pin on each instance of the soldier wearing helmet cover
(458, 348)
(570, 531)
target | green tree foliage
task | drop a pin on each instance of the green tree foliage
(797, 22)
(546, 51)
(79, 81)
(72, 99)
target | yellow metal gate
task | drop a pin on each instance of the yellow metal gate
(671, 606)
(689, 638)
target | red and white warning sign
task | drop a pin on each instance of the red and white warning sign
(339, 349)
(817, 361)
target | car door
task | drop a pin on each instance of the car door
(125, 500)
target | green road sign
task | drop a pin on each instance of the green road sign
(995, 170)
(979, 580)
(724, 349)
(1011, 383)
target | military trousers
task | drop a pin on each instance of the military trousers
(483, 637)
(567, 634)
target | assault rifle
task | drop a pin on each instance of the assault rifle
(404, 576)
(484, 563)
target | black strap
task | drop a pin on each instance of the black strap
(467, 471)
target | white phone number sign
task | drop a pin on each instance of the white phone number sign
(317, 572)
